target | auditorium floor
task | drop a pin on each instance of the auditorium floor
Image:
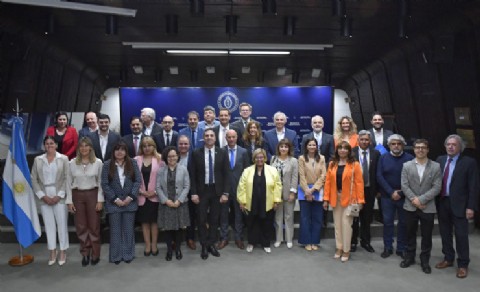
(282, 270)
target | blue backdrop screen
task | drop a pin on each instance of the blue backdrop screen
(298, 103)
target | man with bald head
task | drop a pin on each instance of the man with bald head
(278, 133)
(324, 141)
(238, 161)
(91, 124)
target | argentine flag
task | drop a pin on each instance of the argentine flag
(18, 201)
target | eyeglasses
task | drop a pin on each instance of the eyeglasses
(167, 122)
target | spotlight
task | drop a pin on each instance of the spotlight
(171, 26)
(289, 25)
(197, 7)
(231, 24)
(269, 7)
(111, 26)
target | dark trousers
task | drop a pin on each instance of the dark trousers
(87, 221)
(361, 224)
(426, 228)
(447, 221)
(390, 208)
(192, 211)
(260, 230)
(173, 236)
(227, 209)
(311, 221)
(208, 212)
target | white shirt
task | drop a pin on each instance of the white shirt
(184, 161)
(420, 169)
(121, 173)
(222, 140)
(170, 134)
(207, 174)
(103, 144)
(50, 174)
(148, 130)
(378, 136)
(84, 177)
(318, 137)
(281, 135)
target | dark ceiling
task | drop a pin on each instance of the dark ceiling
(375, 29)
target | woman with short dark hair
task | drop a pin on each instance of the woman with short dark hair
(65, 136)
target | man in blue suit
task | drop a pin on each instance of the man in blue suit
(278, 133)
(457, 203)
(193, 131)
(324, 141)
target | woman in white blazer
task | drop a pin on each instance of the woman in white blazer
(49, 174)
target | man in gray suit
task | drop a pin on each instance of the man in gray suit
(421, 182)
(238, 159)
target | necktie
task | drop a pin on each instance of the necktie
(445, 178)
(135, 144)
(232, 158)
(168, 139)
(193, 139)
(365, 169)
(210, 167)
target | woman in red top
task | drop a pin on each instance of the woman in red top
(65, 136)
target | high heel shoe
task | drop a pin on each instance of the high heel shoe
(155, 253)
(178, 254)
(85, 261)
(168, 257)
(63, 258)
(147, 253)
(54, 260)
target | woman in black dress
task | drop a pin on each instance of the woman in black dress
(173, 184)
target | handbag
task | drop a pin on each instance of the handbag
(353, 208)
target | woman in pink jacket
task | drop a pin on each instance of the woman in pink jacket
(148, 161)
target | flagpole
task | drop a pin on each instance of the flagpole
(22, 259)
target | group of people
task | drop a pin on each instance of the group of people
(214, 172)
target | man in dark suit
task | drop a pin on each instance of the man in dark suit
(278, 133)
(193, 131)
(368, 158)
(133, 140)
(150, 127)
(238, 159)
(245, 110)
(379, 135)
(167, 136)
(221, 130)
(457, 203)
(104, 140)
(210, 187)
(324, 141)
(91, 124)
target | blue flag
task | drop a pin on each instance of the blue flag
(18, 197)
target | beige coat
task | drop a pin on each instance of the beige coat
(60, 180)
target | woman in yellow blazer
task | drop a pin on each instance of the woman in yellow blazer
(340, 190)
(259, 192)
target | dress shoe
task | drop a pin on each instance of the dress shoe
(426, 268)
(85, 261)
(367, 247)
(289, 244)
(117, 262)
(353, 247)
(147, 253)
(191, 244)
(53, 258)
(338, 254)
(400, 254)
(267, 249)
(222, 244)
(155, 253)
(386, 253)
(128, 261)
(213, 251)
(94, 262)
(249, 248)
(276, 244)
(63, 258)
(406, 263)
(345, 257)
(443, 264)
(462, 273)
(178, 254)
(168, 257)
(239, 244)
(204, 253)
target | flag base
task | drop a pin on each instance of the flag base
(17, 261)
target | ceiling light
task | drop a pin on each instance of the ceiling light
(76, 6)
(173, 70)
(245, 70)
(210, 69)
(259, 53)
(138, 69)
(281, 71)
(227, 46)
(198, 52)
(316, 72)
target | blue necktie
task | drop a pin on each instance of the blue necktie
(193, 139)
(210, 167)
(232, 158)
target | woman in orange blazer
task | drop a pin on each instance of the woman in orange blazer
(148, 162)
(340, 189)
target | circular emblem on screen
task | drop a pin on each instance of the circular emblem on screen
(228, 100)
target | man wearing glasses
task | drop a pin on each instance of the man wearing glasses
(166, 136)
(389, 172)
(421, 183)
(245, 113)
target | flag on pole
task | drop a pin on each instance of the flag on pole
(18, 197)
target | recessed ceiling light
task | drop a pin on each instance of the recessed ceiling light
(281, 71)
